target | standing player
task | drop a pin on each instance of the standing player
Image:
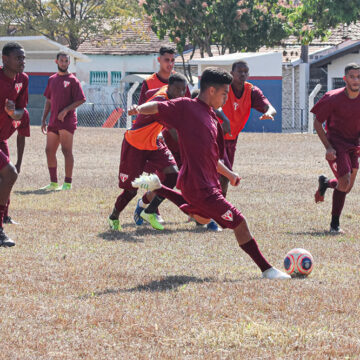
(13, 100)
(200, 133)
(157, 80)
(23, 130)
(63, 95)
(340, 109)
(243, 96)
(142, 149)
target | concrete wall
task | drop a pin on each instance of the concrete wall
(123, 63)
(337, 66)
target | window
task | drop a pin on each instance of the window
(115, 78)
(98, 77)
(337, 83)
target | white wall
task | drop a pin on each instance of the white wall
(337, 66)
(123, 63)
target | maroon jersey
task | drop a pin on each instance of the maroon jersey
(342, 116)
(22, 126)
(15, 90)
(201, 143)
(62, 91)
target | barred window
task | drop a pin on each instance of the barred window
(115, 77)
(337, 83)
(98, 77)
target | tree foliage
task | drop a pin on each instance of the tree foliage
(71, 21)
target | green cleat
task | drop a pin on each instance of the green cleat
(114, 224)
(152, 220)
(65, 186)
(51, 186)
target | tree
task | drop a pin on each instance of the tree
(71, 21)
(233, 25)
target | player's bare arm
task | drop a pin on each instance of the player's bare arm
(148, 108)
(46, 112)
(20, 143)
(233, 177)
(15, 114)
(269, 114)
(72, 106)
(226, 122)
(330, 151)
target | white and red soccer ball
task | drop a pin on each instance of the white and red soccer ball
(298, 262)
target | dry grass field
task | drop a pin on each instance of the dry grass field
(72, 289)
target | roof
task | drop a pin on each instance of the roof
(228, 59)
(40, 47)
(137, 39)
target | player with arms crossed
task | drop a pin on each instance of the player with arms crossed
(142, 149)
(340, 110)
(201, 145)
(243, 96)
(63, 95)
(13, 100)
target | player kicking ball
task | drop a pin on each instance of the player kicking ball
(340, 110)
(200, 133)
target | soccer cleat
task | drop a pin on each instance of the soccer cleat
(323, 185)
(9, 220)
(114, 224)
(5, 241)
(213, 226)
(137, 218)
(274, 274)
(336, 230)
(159, 219)
(65, 186)
(148, 182)
(151, 219)
(51, 186)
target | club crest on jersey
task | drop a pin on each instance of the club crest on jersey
(16, 123)
(228, 216)
(66, 84)
(236, 105)
(123, 177)
(18, 87)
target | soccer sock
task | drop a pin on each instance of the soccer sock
(2, 210)
(145, 200)
(53, 174)
(252, 249)
(6, 211)
(172, 195)
(123, 199)
(68, 180)
(337, 206)
(332, 183)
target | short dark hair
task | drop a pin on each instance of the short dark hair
(177, 77)
(351, 66)
(214, 77)
(241, 63)
(166, 50)
(10, 47)
(61, 53)
(195, 93)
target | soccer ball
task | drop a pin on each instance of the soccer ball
(298, 263)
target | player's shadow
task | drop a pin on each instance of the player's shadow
(311, 232)
(34, 192)
(169, 283)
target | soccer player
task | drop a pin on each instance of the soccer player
(201, 145)
(142, 149)
(243, 96)
(157, 80)
(13, 100)
(63, 95)
(22, 127)
(340, 110)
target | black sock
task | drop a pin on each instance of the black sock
(155, 202)
(335, 221)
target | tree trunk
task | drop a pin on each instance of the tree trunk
(304, 53)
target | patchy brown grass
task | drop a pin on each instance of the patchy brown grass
(71, 289)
